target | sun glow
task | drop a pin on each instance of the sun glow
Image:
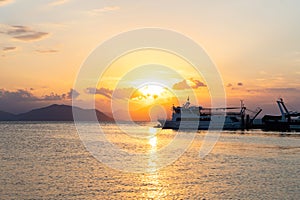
(149, 93)
(153, 91)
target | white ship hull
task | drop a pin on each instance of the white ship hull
(199, 125)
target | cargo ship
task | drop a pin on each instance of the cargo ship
(198, 117)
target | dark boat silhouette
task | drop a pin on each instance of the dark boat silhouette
(287, 121)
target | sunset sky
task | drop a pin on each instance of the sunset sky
(254, 44)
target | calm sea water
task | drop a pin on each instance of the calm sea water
(49, 161)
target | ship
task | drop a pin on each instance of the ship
(200, 118)
(287, 121)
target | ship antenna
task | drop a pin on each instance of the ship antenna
(242, 103)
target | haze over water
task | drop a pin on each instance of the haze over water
(49, 161)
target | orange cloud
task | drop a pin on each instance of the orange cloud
(188, 84)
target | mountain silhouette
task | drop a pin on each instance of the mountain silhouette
(56, 113)
(6, 116)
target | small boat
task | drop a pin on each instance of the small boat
(287, 121)
(197, 117)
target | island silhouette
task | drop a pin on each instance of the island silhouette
(56, 112)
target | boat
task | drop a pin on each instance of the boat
(287, 121)
(198, 117)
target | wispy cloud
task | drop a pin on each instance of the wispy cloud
(58, 2)
(5, 2)
(46, 51)
(104, 9)
(16, 30)
(274, 90)
(281, 90)
(9, 48)
(32, 36)
(22, 33)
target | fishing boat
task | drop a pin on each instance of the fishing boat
(198, 117)
(287, 121)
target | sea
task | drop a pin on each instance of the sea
(52, 160)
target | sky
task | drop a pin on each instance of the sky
(254, 44)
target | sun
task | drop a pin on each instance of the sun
(151, 91)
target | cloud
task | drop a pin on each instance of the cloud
(283, 90)
(275, 90)
(15, 30)
(19, 95)
(18, 101)
(9, 48)
(55, 97)
(23, 100)
(119, 93)
(104, 9)
(231, 85)
(126, 93)
(23, 33)
(25, 95)
(31, 36)
(52, 97)
(181, 85)
(188, 84)
(5, 2)
(102, 91)
(46, 50)
(139, 95)
(72, 94)
(58, 2)
(196, 83)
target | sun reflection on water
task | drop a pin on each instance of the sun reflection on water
(153, 142)
(153, 139)
(151, 180)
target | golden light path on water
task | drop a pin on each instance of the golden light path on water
(153, 179)
(153, 149)
(153, 138)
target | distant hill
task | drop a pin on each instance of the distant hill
(56, 113)
(6, 116)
